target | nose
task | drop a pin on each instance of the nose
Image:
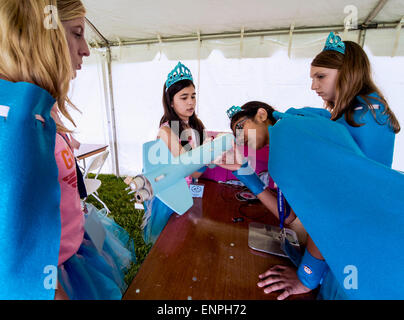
(314, 85)
(84, 50)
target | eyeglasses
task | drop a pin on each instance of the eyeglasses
(240, 125)
(238, 132)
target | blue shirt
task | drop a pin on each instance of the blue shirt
(375, 137)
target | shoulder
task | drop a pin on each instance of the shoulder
(165, 130)
(372, 99)
(310, 111)
(165, 124)
(166, 134)
(60, 144)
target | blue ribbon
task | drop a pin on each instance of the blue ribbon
(283, 207)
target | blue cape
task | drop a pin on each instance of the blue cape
(351, 206)
(30, 194)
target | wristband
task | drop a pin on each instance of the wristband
(311, 270)
(202, 170)
(249, 178)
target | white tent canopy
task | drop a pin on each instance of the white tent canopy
(237, 51)
(128, 20)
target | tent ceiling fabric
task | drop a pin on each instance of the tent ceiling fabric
(127, 20)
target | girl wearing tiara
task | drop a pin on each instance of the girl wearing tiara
(365, 127)
(181, 130)
(342, 76)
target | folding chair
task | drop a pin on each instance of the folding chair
(92, 185)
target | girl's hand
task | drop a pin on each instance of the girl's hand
(282, 278)
(230, 160)
(60, 294)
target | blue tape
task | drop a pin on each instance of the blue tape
(247, 175)
(311, 270)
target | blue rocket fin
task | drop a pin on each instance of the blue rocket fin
(155, 152)
(177, 197)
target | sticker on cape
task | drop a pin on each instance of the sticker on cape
(307, 270)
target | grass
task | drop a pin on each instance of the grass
(112, 193)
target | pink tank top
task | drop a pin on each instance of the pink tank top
(72, 217)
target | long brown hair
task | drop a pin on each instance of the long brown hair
(170, 114)
(354, 79)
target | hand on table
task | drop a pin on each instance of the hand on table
(282, 278)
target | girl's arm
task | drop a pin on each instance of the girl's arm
(270, 201)
(173, 144)
(171, 140)
(60, 293)
(312, 248)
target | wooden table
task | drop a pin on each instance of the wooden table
(204, 255)
(88, 150)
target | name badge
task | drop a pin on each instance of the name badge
(197, 190)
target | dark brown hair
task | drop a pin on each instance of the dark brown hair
(170, 114)
(250, 109)
(354, 79)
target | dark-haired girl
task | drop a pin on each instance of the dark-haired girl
(331, 169)
(181, 130)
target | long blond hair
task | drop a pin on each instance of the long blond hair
(30, 51)
(70, 9)
(354, 79)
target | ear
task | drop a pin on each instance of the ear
(261, 116)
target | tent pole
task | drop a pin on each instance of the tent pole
(397, 40)
(199, 72)
(109, 98)
(362, 34)
(374, 13)
(97, 32)
(247, 33)
(292, 28)
(112, 126)
(361, 37)
(242, 42)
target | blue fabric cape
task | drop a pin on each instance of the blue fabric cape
(30, 194)
(352, 206)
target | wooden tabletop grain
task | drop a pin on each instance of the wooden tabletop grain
(204, 255)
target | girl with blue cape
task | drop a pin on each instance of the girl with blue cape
(33, 76)
(334, 170)
(95, 252)
(181, 130)
(36, 234)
